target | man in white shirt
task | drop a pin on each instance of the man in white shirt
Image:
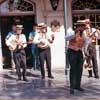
(43, 40)
(17, 43)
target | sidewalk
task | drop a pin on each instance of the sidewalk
(36, 88)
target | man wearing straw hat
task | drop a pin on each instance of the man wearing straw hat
(90, 35)
(17, 42)
(43, 40)
(75, 56)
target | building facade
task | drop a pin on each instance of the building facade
(30, 11)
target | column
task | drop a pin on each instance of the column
(1, 64)
(69, 13)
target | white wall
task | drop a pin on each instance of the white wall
(58, 49)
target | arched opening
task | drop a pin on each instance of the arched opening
(82, 9)
(25, 12)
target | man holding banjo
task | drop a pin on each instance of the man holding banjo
(17, 43)
(43, 40)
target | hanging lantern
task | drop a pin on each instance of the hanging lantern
(54, 4)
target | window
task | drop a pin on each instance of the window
(20, 5)
(85, 4)
(81, 6)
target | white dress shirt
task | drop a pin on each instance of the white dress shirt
(44, 38)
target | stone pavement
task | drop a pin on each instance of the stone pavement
(36, 88)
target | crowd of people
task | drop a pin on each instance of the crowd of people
(41, 40)
(81, 48)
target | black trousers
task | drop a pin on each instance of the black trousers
(76, 67)
(92, 53)
(45, 54)
(35, 55)
(20, 62)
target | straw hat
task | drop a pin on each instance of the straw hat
(87, 21)
(81, 22)
(42, 25)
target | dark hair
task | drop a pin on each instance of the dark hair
(55, 23)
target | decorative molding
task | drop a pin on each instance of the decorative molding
(17, 13)
(22, 9)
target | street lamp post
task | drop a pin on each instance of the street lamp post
(1, 60)
(65, 26)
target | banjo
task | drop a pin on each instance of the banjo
(44, 43)
(16, 45)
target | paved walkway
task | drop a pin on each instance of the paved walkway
(36, 88)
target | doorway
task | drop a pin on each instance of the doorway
(6, 23)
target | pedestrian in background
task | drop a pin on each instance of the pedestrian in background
(7, 37)
(34, 48)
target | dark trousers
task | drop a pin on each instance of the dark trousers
(45, 54)
(92, 52)
(20, 62)
(76, 67)
(35, 55)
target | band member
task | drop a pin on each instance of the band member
(91, 35)
(75, 57)
(17, 43)
(43, 40)
(34, 47)
(7, 37)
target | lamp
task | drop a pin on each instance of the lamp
(54, 4)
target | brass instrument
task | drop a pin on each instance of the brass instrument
(88, 59)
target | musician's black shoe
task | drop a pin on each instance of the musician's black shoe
(51, 77)
(25, 79)
(90, 73)
(79, 89)
(43, 77)
(71, 91)
(96, 76)
(19, 79)
(90, 76)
